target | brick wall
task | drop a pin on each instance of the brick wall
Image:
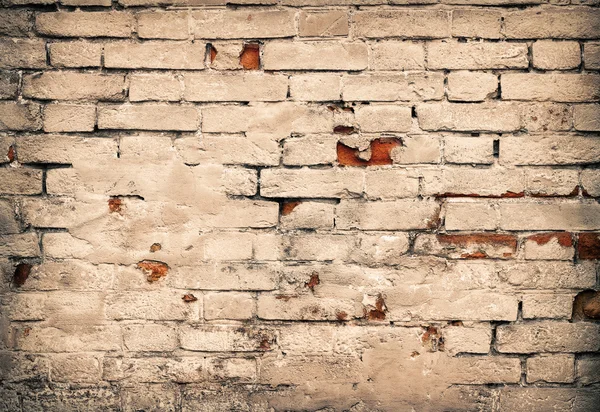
(273, 205)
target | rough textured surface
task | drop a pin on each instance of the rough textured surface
(299, 205)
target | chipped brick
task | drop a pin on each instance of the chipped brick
(381, 150)
(314, 281)
(22, 272)
(153, 269)
(288, 207)
(250, 56)
(155, 247)
(587, 305)
(564, 238)
(114, 205)
(187, 298)
(588, 246)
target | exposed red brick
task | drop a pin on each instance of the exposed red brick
(564, 238)
(379, 312)
(432, 339)
(314, 281)
(479, 239)
(11, 154)
(265, 344)
(341, 316)
(250, 56)
(588, 246)
(155, 247)
(381, 150)
(344, 129)
(435, 221)
(288, 207)
(475, 255)
(213, 53)
(21, 274)
(114, 205)
(587, 305)
(153, 269)
(189, 298)
(285, 298)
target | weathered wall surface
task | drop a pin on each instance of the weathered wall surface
(272, 205)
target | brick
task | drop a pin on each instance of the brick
(151, 306)
(467, 246)
(402, 23)
(549, 182)
(471, 86)
(467, 339)
(146, 396)
(473, 182)
(591, 53)
(542, 117)
(297, 370)
(547, 275)
(228, 305)
(469, 150)
(155, 55)
(586, 117)
(69, 338)
(550, 55)
(307, 215)
(399, 215)
(69, 118)
(590, 180)
(64, 149)
(232, 276)
(238, 369)
(21, 181)
(588, 246)
(548, 149)
(568, 88)
(384, 118)
(467, 370)
(551, 368)
(208, 338)
(462, 215)
(417, 149)
(18, 53)
(168, 25)
(59, 85)
(21, 245)
(252, 149)
(9, 84)
(153, 370)
(237, 87)
(297, 151)
(545, 306)
(391, 87)
(477, 55)
(281, 118)
(18, 116)
(553, 246)
(16, 23)
(85, 24)
(317, 247)
(75, 368)
(148, 117)
(563, 216)
(558, 23)
(548, 336)
(161, 87)
(105, 3)
(151, 337)
(323, 24)
(75, 54)
(587, 370)
(492, 117)
(397, 55)
(315, 87)
(391, 184)
(237, 24)
(8, 221)
(278, 307)
(332, 183)
(18, 368)
(240, 181)
(476, 23)
(315, 56)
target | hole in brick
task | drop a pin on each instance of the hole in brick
(314, 281)
(432, 339)
(250, 56)
(344, 129)
(155, 247)
(335, 108)
(496, 149)
(588, 246)
(378, 313)
(381, 151)
(188, 298)
(288, 207)
(21, 274)
(475, 134)
(11, 154)
(212, 52)
(587, 305)
(413, 112)
(114, 205)
(154, 270)
(456, 323)
(341, 316)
